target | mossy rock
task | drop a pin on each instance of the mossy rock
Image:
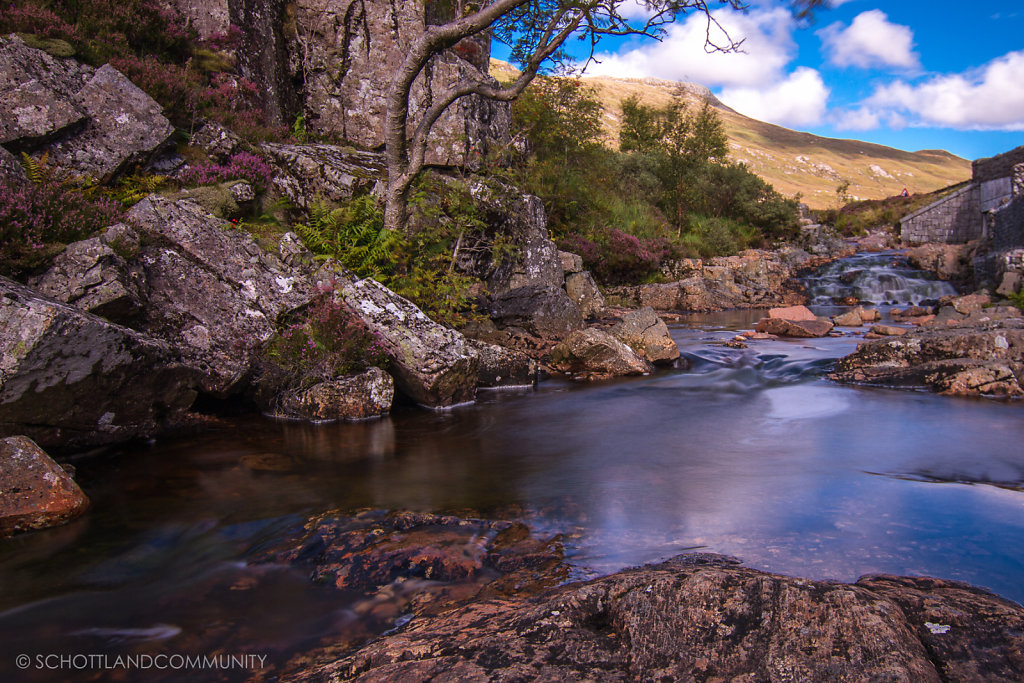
(55, 47)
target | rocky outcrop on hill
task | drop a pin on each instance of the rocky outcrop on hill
(88, 121)
(432, 364)
(35, 492)
(703, 617)
(961, 354)
(70, 379)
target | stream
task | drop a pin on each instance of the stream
(748, 452)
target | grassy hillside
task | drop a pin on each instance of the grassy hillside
(793, 162)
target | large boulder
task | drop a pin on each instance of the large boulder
(503, 367)
(647, 334)
(356, 397)
(546, 312)
(703, 618)
(92, 122)
(310, 173)
(595, 353)
(213, 292)
(38, 101)
(519, 222)
(948, 261)
(35, 492)
(432, 364)
(68, 378)
(583, 292)
(984, 358)
(794, 328)
(95, 275)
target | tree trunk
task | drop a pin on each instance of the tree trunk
(396, 208)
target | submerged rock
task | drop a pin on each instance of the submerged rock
(646, 333)
(432, 364)
(596, 353)
(701, 617)
(35, 492)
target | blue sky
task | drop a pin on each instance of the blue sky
(913, 74)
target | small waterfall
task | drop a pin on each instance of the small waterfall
(879, 279)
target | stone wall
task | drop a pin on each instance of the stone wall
(954, 219)
(999, 166)
(1006, 225)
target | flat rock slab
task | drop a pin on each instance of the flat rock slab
(987, 359)
(796, 313)
(794, 328)
(700, 618)
(35, 492)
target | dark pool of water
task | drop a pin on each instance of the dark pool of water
(750, 453)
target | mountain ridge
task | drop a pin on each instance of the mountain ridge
(794, 162)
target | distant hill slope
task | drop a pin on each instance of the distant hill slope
(793, 162)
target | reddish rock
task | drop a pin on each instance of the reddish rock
(869, 315)
(792, 313)
(971, 303)
(888, 330)
(848, 319)
(702, 618)
(35, 492)
(794, 328)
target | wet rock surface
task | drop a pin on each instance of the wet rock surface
(35, 492)
(646, 333)
(958, 355)
(703, 617)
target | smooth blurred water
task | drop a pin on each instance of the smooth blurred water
(880, 278)
(750, 452)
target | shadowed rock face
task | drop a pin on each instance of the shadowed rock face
(68, 378)
(700, 617)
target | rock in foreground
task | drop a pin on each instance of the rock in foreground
(646, 333)
(356, 397)
(982, 359)
(595, 354)
(35, 493)
(701, 617)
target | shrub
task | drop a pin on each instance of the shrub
(37, 220)
(615, 256)
(328, 342)
(241, 166)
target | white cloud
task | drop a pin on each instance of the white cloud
(989, 98)
(767, 48)
(870, 40)
(862, 118)
(797, 100)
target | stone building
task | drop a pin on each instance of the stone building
(988, 210)
(976, 210)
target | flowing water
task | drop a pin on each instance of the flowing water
(749, 452)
